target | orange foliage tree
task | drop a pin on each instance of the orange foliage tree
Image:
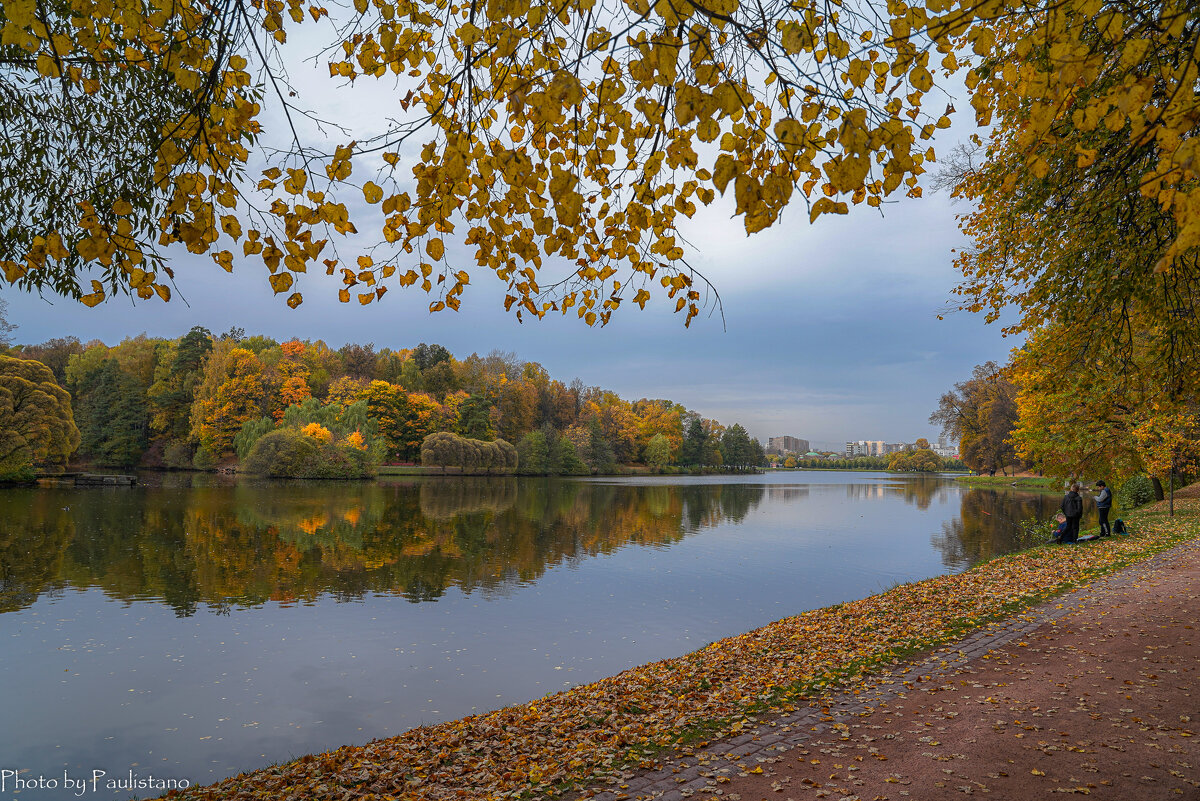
(231, 393)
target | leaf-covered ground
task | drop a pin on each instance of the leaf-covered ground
(575, 737)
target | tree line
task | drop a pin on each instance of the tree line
(300, 407)
(1069, 422)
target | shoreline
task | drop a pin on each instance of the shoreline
(582, 736)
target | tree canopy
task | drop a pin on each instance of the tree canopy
(1084, 223)
(35, 418)
(563, 144)
(980, 414)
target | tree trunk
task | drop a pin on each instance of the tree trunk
(1158, 488)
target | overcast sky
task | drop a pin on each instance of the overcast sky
(830, 330)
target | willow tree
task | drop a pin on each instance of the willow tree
(563, 144)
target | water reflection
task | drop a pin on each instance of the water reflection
(249, 543)
(539, 585)
(988, 525)
(198, 541)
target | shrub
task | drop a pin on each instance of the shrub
(287, 453)
(177, 456)
(204, 460)
(1136, 491)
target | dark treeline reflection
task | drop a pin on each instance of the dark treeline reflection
(202, 542)
(223, 544)
(989, 525)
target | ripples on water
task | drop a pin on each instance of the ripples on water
(200, 627)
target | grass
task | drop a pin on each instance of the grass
(1043, 483)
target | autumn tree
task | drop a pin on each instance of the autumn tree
(1081, 224)
(571, 139)
(657, 452)
(231, 393)
(36, 423)
(980, 414)
(175, 380)
(359, 360)
(54, 353)
(293, 376)
(1077, 418)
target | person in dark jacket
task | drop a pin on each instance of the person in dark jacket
(1060, 529)
(1072, 509)
(1103, 505)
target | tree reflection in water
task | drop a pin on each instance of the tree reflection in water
(205, 541)
(989, 524)
(253, 542)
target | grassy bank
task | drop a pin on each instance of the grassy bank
(577, 737)
(1022, 482)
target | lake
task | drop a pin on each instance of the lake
(197, 626)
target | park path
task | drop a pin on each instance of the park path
(1094, 693)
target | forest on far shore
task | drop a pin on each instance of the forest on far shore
(205, 401)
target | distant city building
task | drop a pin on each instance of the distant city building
(865, 447)
(946, 450)
(785, 445)
(893, 447)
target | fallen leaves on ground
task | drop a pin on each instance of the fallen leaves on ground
(583, 735)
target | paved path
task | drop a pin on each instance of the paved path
(1093, 693)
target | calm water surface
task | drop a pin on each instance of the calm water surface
(198, 628)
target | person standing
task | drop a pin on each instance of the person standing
(1072, 509)
(1103, 504)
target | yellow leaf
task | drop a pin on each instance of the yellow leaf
(372, 192)
(434, 248)
(281, 282)
(723, 171)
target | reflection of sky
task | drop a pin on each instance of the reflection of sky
(107, 683)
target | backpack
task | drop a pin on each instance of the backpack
(1118, 527)
(1073, 505)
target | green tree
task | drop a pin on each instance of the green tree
(736, 450)
(36, 424)
(441, 449)
(533, 453)
(695, 440)
(112, 414)
(174, 389)
(658, 451)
